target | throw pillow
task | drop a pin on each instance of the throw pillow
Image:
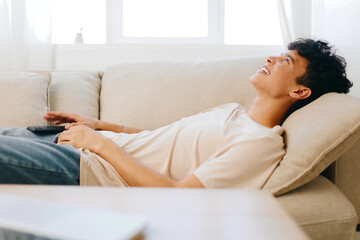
(315, 136)
(23, 98)
(75, 92)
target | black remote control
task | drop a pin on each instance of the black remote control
(46, 129)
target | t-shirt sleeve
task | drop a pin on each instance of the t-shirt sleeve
(244, 164)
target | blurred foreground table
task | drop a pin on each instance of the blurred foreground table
(181, 213)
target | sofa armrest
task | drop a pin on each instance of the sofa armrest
(321, 210)
(347, 177)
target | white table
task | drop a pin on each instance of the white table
(182, 213)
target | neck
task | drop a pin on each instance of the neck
(269, 112)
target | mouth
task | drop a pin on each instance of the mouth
(266, 70)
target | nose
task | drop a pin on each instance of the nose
(271, 59)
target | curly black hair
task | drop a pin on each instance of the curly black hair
(325, 72)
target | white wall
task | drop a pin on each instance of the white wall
(98, 57)
(338, 22)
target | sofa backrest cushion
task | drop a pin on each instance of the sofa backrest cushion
(315, 136)
(75, 92)
(148, 95)
(23, 98)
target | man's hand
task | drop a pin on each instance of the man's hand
(73, 119)
(82, 137)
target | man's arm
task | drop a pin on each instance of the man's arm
(131, 170)
(137, 174)
(102, 125)
(75, 119)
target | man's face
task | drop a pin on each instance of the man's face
(277, 78)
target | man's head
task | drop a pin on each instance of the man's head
(325, 72)
(306, 71)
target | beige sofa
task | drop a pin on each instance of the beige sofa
(148, 95)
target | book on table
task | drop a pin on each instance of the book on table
(22, 217)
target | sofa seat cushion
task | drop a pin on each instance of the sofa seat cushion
(23, 98)
(322, 210)
(148, 95)
(75, 92)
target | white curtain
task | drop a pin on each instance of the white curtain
(25, 35)
(337, 21)
(295, 19)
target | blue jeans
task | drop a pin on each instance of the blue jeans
(29, 158)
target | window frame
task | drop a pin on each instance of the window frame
(114, 27)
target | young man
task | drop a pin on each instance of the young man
(226, 146)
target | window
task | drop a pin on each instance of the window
(70, 16)
(244, 22)
(254, 22)
(165, 18)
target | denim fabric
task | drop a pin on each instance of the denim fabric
(28, 158)
(6, 234)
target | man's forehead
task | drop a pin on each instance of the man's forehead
(292, 53)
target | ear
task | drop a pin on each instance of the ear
(300, 93)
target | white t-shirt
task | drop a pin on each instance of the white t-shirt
(222, 146)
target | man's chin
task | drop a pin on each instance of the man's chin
(257, 77)
(254, 78)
